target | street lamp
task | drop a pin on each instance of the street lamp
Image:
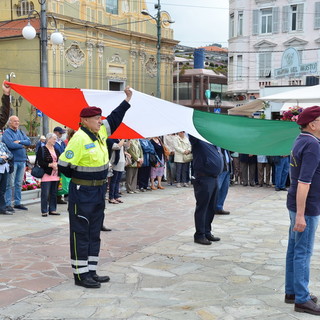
(158, 20)
(16, 103)
(29, 33)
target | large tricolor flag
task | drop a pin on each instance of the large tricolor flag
(150, 116)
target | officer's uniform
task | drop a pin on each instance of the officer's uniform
(85, 161)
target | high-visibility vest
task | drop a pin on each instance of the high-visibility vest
(87, 155)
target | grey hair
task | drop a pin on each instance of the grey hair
(50, 135)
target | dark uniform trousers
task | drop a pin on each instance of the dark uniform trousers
(205, 192)
(86, 213)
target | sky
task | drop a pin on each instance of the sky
(197, 22)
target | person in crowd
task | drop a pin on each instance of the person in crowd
(136, 154)
(60, 147)
(157, 171)
(236, 167)
(281, 168)
(47, 158)
(5, 105)
(16, 141)
(88, 170)
(168, 140)
(40, 143)
(182, 158)
(5, 156)
(223, 181)
(304, 211)
(207, 165)
(145, 170)
(117, 162)
(264, 171)
(70, 133)
(248, 164)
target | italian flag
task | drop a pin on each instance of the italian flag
(150, 116)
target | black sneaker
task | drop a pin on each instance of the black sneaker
(10, 209)
(6, 212)
(20, 207)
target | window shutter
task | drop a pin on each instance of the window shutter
(261, 65)
(275, 20)
(285, 19)
(317, 15)
(255, 22)
(300, 16)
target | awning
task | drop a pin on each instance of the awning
(247, 109)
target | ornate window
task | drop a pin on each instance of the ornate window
(24, 7)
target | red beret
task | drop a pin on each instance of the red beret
(308, 115)
(90, 112)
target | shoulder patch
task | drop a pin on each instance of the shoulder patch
(69, 154)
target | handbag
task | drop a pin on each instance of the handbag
(153, 160)
(11, 165)
(37, 171)
(187, 157)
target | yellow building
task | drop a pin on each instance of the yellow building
(108, 44)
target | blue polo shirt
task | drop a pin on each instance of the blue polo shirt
(305, 168)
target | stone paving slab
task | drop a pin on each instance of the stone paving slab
(156, 270)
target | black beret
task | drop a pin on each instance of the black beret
(308, 115)
(90, 112)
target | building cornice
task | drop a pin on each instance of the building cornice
(295, 42)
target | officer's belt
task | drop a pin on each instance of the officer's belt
(89, 183)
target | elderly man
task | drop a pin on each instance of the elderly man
(5, 107)
(304, 209)
(86, 162)
(16, 141)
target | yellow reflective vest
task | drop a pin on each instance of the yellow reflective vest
(86, 155)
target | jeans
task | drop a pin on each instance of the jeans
(223, 185)
(49, 195)
(3, 184)
(281, 172)
(299, 252)
(15, 183)
(114, 185)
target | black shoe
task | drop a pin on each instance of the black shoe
(211, 237)
(245, 184)
(277, 189)
(6, 212)
(10, 209)
(103, 228)
(204, 241)
(60, 201)
(284, 189)
(222, 212)
(307, 307)
(54, 213)
(20, 207)
(87, 283)
(289, 298)
(100, 279)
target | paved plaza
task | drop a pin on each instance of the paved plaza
(157, 271)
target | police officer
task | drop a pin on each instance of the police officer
(85, 161)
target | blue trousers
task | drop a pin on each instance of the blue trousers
(14, 182)
(205, 191)
(3, 187)
(299, 252)
(223, 185)
(281, 172)
(114, 185)
(86, 213)
(49, 196)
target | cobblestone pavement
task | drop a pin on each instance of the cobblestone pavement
(156, 270)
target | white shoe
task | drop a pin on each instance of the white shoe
(178, 185)
(186, 185)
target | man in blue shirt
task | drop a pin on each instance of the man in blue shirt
(304, 209)
(16, 141)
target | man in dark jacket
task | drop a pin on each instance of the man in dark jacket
(5, 105)
(207, 165)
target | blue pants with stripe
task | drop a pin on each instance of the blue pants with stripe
(86, 213)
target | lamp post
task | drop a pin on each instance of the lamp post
(29, 33)
(16, 103)
(158, 20)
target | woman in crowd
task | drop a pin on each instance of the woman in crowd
(158, 171)
(117, 162)
(47, 158)
(132, 169)
(182, 158)
(171, 167)
(5, 156)
(145, 169)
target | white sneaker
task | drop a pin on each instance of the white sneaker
(178, 185)
(186, 185)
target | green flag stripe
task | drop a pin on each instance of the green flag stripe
(246, 135)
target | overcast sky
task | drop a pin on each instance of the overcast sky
(197, 22)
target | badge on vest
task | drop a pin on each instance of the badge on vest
(69, 154)
(90, 145)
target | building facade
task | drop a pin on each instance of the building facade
(108, 44)
(272, 43)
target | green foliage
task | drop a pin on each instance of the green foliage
(32, 124)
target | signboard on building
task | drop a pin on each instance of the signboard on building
(291, 65)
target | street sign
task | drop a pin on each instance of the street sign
(217, 110)
(208, 94)
(39, 113)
